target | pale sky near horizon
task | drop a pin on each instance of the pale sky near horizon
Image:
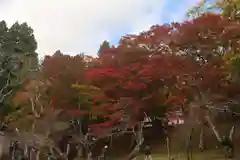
(76, 26)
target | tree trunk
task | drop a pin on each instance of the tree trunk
(201, 139)
(168, 148)
(213, 128)
(189, 146)
(139, 140)
(135, 151)
(89, 155)
(4, 145)
(111, 142)
(231, 133)
(38, 155)
(1, 151)
(132, 142)
(80, 152)
(226, 141)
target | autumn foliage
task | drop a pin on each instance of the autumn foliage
(171, 64)
(62, 71)
(168, 65)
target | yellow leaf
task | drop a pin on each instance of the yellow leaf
(85, 87)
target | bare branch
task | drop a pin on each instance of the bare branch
(3, 96)
(6, 85)
(231, 133)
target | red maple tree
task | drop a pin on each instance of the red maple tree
(178, 60)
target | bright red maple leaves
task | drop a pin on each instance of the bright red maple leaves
(169, 64)
(178, 57)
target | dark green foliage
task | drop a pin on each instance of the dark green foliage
(105, 45)
(19, 42)
(18, 61)
(9, 76)
(19, 38)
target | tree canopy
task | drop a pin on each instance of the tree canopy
(167, 67)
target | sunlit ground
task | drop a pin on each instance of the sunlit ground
(207, 155)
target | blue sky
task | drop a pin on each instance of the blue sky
(76, 26)
(170, 11)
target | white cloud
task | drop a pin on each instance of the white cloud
(76, 26)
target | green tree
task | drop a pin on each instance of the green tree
(18, 61)
(3, 33)
(19, 42)
(9, 82)
(228, 8)
(105, 45)
(197, 10)
(20, 39)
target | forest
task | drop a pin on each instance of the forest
(81, 107)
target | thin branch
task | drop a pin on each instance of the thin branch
(6, 85)
(8, 93)
(226, 109)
